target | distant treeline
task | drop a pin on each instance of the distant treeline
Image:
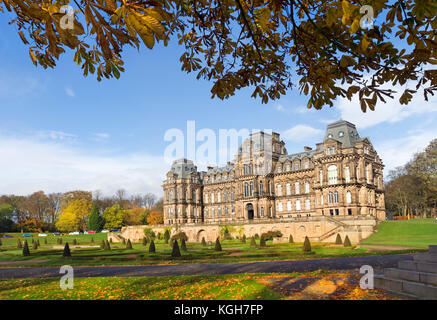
(412, 188)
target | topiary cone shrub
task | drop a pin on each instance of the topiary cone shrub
(19, 245)
(124, 240)
(0, 242)
(26, 251)
(347, 242)
(338, 239)
(74, 241)
(203, 242)
(175, 252)
(107, 245)
(262, 242)
(45, 241)
(35, 245)
(290, 239)
(60, 240)
(152, 248)
(144, 241)
(103, 244)
(37, 242)
(218, 246)
(183, 245)
(128, 244)
(252, 242)
(66, 252)
(243, 239)
(306, 245)
(92, 240)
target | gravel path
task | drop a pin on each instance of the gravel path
(350, 264)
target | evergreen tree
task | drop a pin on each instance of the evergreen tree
(183, 245)
(218, 246)
(95, 220)
(66, 252)
(203, 242)
(347, 242)
(19, 245)
(92, 240)
(306, 245)
(290, 239)
(33, 241)
(37, 241)
(144, 241)
(152, 248)
(74, 242)
(243, 239)
(166, 236)
(60, 240)
(103, 244)
(338, 239)
(175, 252)
(107, 245)
(35, 245)
(252, 242)
(128, 244)
(26, 251)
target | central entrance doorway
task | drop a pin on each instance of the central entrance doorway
(249, 208)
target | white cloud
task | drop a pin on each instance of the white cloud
(391, 112)
(101, 136)
(33, 164)
(279, 107)
(397, 152)
(70, 92)
(56, 135)
(301, 133)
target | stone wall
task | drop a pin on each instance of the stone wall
(318, 229)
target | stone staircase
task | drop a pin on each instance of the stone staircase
(416, 279)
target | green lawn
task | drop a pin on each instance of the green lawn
(222, 287)
(233, 251)
(415, 233)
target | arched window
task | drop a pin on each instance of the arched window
(251, 189)
(348, 196)
(279, 190)
(245, 169)
(288, 205)
(288, 187)
(225, 197)
(332, 174)
(347, 175)
(288, 168)
(307, 204)
(279, 169)
(296, 166)
(330, 197)
(206, 213)
(307, 187)
(262, 212)
(296, 188)
(260, 188)
(212, 197)
(246, 189)
(219, 197)
(298, 208)
(335, 197)
(212, 212)
(250, 169)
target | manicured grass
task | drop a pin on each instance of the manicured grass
(233, 251)
(416, 233)
(217, 287)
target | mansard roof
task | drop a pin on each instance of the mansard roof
(299, 156)
(227, 168)
(183, 167)
(344, 132)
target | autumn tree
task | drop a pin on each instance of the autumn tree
(136, 216)
(334, 47)
(114, 217)
(6, 215)
(74, 216)
(155, 217)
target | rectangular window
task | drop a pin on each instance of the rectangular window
(298, 208)
(347, 175)
(262, 212)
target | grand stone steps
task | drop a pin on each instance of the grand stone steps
(415, 278)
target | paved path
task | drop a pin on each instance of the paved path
(351, 264)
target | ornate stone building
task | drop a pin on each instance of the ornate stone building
(342, 177)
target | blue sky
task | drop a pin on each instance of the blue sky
(60, 131)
